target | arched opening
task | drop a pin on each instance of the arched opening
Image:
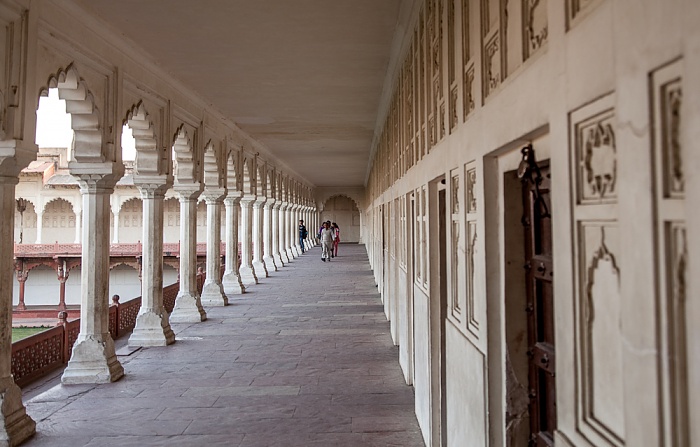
(124, 281)
(171, 223)
(131, 221)
(344, 211)
(128, 145)
(201, 222)
(58, 222)
(170, 275)
(25, 222)
(53, 124)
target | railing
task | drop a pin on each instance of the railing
(41, 353)
(121, 249)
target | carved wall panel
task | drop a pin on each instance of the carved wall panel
(671, 258)
(577, 9)
(455, 248)
(597, 303)
(601, 349)
(470, 210)
(596, 159)
(493, 23)
(535, 26)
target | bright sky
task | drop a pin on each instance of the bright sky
(53, 128)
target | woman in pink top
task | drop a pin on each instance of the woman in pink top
(336, 229)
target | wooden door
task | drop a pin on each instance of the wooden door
(537, 223)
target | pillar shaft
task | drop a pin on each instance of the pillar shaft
(188, 305)
(232, 279)
(292, 230)
(15, 425)
(93, 359)
(286, 231)
(115, 231)
(246, 269)
(258, 263)
(268, 250)
(39, 226)
(152, 323)
(282, 232)
(78, 226)
(213, 291)
(275, 235)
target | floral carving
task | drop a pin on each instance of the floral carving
(471, 193)
(599, 161)
(536, 29)
(673, 97)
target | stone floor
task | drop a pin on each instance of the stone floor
(304, 359)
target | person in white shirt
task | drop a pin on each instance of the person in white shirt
(327, 238)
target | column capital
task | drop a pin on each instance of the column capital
(187, 192)
(270, 204)
(96, 177)
(232, 200)
(259, 202)
(277, 205)
(247, 199)
(213, 195)
(152, 190)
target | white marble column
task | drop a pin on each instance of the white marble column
(78, 226)
(232, 279)
(268, 246)
(282, 232)
(152, 323)
(275, 232)
(15, 425)
(246, 269)
(213, 291)
(93, 359)
(294, 231)
(115, 230)
(258, 263)
(39, 225)
(188, 304)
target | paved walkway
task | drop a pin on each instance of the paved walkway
(304, 359)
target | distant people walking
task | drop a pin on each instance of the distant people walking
(327, 236)
(336, 230)
(302, 234)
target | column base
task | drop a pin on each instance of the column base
(152, 329)
(213, 294)
(284, 256)
(188, 309)
(15, 424)
(270, 265)
(278, 261)
(290, 254)
(247, 275)
(232, 284)
(260, 270)
(93, 361)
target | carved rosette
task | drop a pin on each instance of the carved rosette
(597, 159)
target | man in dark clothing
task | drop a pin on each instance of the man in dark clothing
(302, 235)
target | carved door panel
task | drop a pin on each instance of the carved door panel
(537, 223)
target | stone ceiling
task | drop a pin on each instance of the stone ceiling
(304, 77)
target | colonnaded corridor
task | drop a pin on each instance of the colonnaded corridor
(304, 359)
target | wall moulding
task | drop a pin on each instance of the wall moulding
(671, 257)
(598, 299)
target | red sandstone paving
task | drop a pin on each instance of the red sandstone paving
(305, 359)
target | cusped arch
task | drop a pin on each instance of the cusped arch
(131, 264)
(233, 174)
(148, 159)
(133, 200)
(58, 199)
(85, 118)
(355, 200)
(248, 180)
(183, 157)
(214, 169)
